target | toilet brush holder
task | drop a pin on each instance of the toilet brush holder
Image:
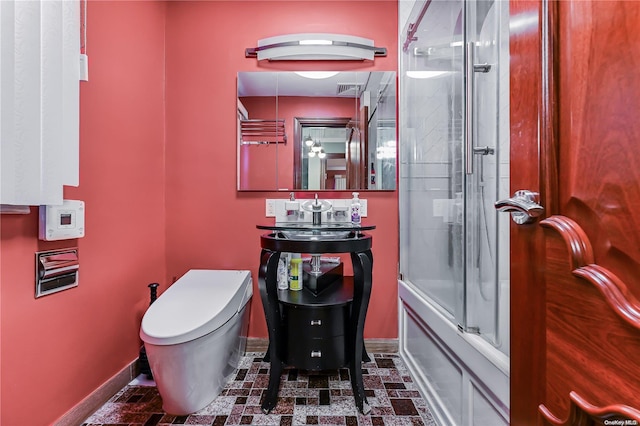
(143, 361)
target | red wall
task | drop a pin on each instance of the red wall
(209, 223)
(259, 163)
(158, 175)
(58, 349)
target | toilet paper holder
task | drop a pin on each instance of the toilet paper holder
(56, 270)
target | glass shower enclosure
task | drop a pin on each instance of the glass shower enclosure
(454, 154)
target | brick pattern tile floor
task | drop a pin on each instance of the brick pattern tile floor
(305, 398)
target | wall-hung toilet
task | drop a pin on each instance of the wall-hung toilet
(195, 334)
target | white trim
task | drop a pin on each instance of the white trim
(483, 369)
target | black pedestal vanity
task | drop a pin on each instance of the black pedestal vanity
(321, 326)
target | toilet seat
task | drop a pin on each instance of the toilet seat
(200, 302)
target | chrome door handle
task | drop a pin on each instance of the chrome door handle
(523, 206)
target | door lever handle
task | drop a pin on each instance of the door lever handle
(523, 206)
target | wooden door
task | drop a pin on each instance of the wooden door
(575, 275)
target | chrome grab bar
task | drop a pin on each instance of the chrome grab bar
(470, 69)
(468, 118)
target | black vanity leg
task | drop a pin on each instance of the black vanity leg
(362, 278)
(271, 396)
(267, 283)
(365, 355)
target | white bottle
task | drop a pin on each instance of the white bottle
(283, 274)
(355, 209)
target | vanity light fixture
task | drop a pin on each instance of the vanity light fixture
(315, 46)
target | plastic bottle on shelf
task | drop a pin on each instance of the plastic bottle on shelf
(295, 274)
(355, 209)
(283, 274)
(373, 176)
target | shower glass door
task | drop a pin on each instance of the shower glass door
(454, 164)
(431, 223)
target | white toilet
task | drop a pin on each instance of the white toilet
(195, 334)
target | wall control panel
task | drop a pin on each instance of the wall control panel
(62, 222)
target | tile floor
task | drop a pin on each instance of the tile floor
(319, 398)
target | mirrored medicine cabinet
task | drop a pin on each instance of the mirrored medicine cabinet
(316, 131)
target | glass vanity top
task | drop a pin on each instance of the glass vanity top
(309, 231)
(307, 226)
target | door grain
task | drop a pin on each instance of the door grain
(575, 283)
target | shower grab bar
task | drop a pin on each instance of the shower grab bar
(470, 69)
(468, 118)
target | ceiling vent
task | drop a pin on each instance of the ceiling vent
(349, 89)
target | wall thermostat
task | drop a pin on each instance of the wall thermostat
(62, 222)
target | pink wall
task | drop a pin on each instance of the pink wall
(259, 161)
(158, 175)
(209, 224)
(58, 349)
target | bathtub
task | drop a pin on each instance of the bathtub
(464, 378)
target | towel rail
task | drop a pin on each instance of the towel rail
(262, 132)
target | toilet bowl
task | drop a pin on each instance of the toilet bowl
(194, 335)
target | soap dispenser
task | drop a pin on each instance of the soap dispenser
(355, 209)
(292, 208)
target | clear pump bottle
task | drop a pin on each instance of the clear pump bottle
(355, 209)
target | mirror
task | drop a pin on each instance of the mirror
(298, 131)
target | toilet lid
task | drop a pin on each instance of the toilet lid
(198, 303)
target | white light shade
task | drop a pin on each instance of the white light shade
(315, 42)
(426, 74)
(315, 47)
(317, 75)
